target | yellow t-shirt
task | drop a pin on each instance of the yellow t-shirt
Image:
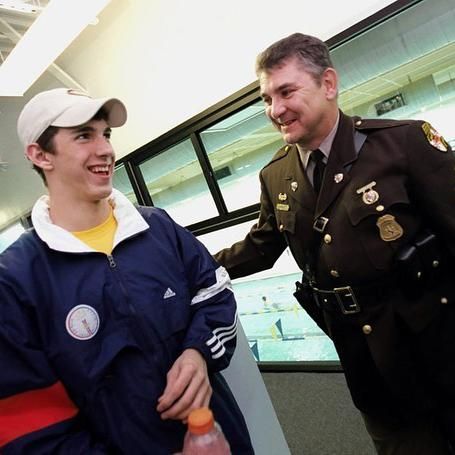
(101, 237)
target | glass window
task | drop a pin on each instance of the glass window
(176, 183)
(9, 235)
(122, 183)
(238, 147)
(403, 68)
(277, 328)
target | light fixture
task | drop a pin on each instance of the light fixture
(51, 33)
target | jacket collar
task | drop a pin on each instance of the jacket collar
(129, 223)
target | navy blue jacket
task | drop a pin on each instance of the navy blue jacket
(86, 339)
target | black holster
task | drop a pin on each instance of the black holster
(420, 264)
(304, 295)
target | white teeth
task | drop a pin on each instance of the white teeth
(99, 168)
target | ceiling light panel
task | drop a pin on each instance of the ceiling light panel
(51, 33)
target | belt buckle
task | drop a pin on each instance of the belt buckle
(350, 306)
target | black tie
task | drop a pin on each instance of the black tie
(318, 173)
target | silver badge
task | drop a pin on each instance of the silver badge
(338, 178)
(294, 186)
(82, 322)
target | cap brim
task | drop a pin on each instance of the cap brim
(83, 112)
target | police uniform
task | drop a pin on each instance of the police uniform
(386, 300)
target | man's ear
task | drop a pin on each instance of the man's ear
(39, 157)
(330, 82)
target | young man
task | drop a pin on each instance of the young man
(367, 209)
(114, 321)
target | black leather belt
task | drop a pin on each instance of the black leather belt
(348, 299)
(342, 297)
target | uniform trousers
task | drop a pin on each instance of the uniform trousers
(424, 436)
(433, 432)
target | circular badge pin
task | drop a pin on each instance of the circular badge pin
(82, 322)
(370, 197)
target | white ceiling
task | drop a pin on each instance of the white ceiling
(13, 25)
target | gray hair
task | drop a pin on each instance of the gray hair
(309, 50)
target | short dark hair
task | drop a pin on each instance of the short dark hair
(46, 140)
(309, 50)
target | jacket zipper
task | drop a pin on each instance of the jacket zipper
(137, 322)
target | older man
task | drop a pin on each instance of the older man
(367, 210)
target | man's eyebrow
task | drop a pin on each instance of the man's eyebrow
(82, 129)
(283, 86)
(277, 89)
(88, 129)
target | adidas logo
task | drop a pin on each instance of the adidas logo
(169, 293)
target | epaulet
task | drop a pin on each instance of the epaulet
(281, 153)
(362, 124)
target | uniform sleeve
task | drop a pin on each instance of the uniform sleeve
(37, 415)
(432, 180)
(261, 247)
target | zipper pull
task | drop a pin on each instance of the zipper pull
(112, 263)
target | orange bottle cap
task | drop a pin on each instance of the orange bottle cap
(200, 421)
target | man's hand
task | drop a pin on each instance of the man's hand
(188, 387)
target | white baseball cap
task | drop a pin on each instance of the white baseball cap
(64, 107)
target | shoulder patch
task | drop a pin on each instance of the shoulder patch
(434, 138)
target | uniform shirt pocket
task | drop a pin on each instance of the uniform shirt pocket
(358, 210)
(364, 218)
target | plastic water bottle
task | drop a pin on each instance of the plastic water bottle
(204, 435)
